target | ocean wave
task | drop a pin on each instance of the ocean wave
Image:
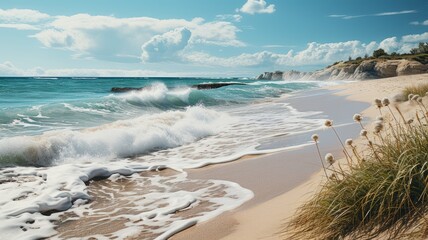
(156, 94)
(122, 138)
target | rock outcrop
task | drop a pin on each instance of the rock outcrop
(204, 86)
(367, 69)
(124, 89)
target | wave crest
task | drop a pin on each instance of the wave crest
(123, 138)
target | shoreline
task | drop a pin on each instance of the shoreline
(263, 216)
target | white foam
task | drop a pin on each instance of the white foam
(118, 139)
(155, 93)
(56, 188)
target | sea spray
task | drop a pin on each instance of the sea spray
(124, 138)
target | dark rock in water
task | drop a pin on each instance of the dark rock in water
(124, 89)
(214, 85)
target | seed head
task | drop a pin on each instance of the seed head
(378, 102)
(415, 97)
(357, 118)
(363, 133)
(410, 96)
(385, 101)
(329, 158)
(315, 137)
(349, 142)
(410, 121)
(379, 118)
(378, 126)
(328, 123)
(420, 100)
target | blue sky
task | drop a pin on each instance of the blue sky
(199, 37)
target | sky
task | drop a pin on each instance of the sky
(206, 38)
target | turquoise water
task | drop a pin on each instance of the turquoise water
(31, 106)
(56, 134)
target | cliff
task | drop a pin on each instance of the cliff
(354, 70)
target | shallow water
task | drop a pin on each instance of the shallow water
(58, 134)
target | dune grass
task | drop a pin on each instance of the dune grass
(383, 192)
(420, 90)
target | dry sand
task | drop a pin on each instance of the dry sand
(283, 181)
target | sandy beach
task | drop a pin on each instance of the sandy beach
(283, 181)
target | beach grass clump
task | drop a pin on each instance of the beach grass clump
(383, 192)
(420, 89)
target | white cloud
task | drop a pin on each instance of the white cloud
(395, 13)
(18, 26)
(228, 17)
(10, 70)
(314, 53)
(425, 23)
(257, 6)
(120, 39)
(346, 17)
(390, 45)
(22, 16)
(165, 47)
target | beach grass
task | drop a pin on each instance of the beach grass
(384, 191)
(420, 90)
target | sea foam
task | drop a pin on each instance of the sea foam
(119, 139)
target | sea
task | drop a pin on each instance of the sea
(80, 161)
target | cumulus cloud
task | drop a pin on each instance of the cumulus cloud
(314, 53)
(166, 46)
(120, 39)
(257, 6)
(425, 23)
(22, 16)
(21, 19)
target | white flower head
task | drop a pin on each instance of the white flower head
(415, 97)
(410, 96)
(328, 123)
(378, 126)
(378, 102)
(349, 141)
(363, 133)
(385, 101)
(357, 117)
(329, 158)
(315, 137)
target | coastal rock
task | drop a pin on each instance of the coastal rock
(124, 89)
(366, 69)
(204, 86)
(411, 67)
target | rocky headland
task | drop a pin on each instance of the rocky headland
(354, 70)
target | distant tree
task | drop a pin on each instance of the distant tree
(366, 56)
(378, 53)
(395, 54)
(422, 48)
(359, 58)
(350, 58)
(414, 51)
